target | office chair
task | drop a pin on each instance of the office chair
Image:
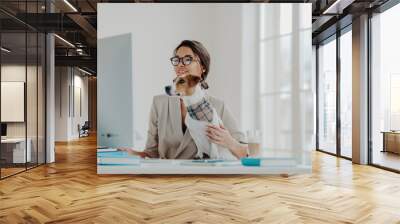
(84, 130)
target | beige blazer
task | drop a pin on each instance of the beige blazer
(165, 138)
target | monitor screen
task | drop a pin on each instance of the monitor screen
(3, 129)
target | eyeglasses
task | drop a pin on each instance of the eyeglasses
(186, 60)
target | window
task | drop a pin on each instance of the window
(275, 95)
(385, 89)
(22, 65)
(346, 94)
(327, 97)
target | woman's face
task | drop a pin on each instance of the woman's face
(194, 68)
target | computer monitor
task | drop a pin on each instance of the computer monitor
(3, 129)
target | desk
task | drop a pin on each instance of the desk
(120, 163)
(15, 148)
(391, 141)
(179, 169)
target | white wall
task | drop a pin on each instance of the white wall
(66, 121)
(80, 83)
(33, 127)
(61, 103)
(225, 40)
(15, 72)
(12, 73)
(153, 47)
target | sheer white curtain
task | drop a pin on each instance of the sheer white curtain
(286, 89)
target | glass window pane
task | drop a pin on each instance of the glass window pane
(346, 94)
(41, 98)
(269, 27)
(276, 109)
(14, 153)
(286, 15)
(285, 82)
(327, 97)
(31, 96)
(22, 90)
(386, 89)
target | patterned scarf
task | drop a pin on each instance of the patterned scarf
(201, 111)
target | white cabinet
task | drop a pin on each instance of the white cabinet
(18, 149)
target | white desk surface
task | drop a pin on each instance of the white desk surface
(163, 169)
(171, 166)
(174, 167)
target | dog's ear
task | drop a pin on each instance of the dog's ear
(193, 80)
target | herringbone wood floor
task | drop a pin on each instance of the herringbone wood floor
(70, 191)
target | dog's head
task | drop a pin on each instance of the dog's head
(183, 85)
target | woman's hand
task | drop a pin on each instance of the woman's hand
(131, 151)
(221, 136)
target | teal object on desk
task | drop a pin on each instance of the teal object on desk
(116, 154)
(251, 161)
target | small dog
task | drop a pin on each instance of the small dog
(201, 113)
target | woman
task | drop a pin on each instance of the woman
(168, 137)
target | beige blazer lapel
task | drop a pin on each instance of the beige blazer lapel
(176, 118)
(175, 115)
(186, 140)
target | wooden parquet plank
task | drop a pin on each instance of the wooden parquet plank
(70, 191)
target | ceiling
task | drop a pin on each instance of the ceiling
(77, 22)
